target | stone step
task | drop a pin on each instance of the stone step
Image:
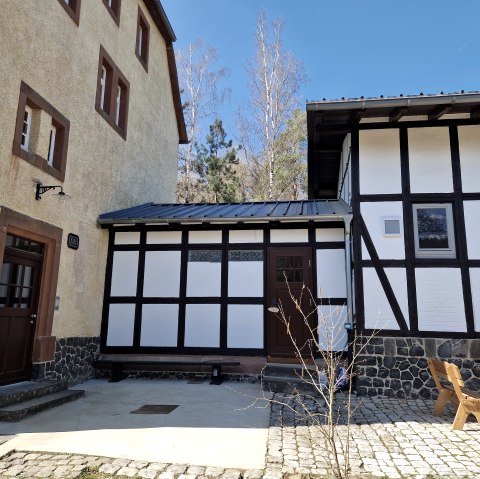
(288, 385)
(16, 412)
(27, 390)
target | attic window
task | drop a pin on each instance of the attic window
(391, 227)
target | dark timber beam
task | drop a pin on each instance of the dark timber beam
(475, 113)
(438, 112)
(356, 116)
(397, 114)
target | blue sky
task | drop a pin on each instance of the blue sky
(349, 48)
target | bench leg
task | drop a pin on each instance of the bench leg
(217, 377)
(443, 397)
(460, 419)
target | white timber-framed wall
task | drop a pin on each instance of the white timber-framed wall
(202, 289)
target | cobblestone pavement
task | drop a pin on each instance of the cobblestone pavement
(391, 438)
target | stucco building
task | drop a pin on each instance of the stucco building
(91, 107)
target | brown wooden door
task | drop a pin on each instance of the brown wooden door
(288, 268)
(19, 282)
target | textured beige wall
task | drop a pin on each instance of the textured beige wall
(41, 45)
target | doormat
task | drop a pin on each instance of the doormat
(155, 409)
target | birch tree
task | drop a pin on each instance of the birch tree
(276, 77)
(198, 80)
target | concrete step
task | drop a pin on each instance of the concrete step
(16, 412)
(27, 390)
(290, 378)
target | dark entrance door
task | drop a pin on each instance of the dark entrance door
(288, 268)
(19, 282)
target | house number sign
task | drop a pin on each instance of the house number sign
(73, 241)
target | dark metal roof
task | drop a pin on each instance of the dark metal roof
(316, 210)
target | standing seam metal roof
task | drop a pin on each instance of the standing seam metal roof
(234, 212)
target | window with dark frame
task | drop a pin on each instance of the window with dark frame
(143, 39)
(113, 7)
(433, 230)
(72, 7)
(29, 104)
(112, 94)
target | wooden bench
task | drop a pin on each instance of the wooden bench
(117, 367)
(466, 400)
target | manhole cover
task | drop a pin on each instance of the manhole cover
(155, 409)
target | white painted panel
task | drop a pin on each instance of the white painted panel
(374, 213)
(331, 281)
(379, 160)
(430, 160)
(121, 319)
(329, 234)
(245, 326)
(127, 237)
(124, 273)
(472, 227)
(246, 236)
(203, 278)
(440, 299)
(378, 313)
(197, 237)
(332, 335)
(202, 325)
(346, 163)
(289, 236)
(469, 144)
(162, 274)
(245, 278)
(159, 325)
(475, 284)
(164, 237)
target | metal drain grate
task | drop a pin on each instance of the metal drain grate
(155, 409)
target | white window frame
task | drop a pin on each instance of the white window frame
(449, 252)
(118, 101)
(25, 138)
(139, 40)
(103, 79)
(51, 145)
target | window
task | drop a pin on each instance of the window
(112, 94)
(433, 230)
(143, 34)
(49, 153)
(113, 7)
(72, 7)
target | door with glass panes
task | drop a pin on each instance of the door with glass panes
(19, 283)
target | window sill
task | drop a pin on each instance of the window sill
(38, 162)
(109, 120)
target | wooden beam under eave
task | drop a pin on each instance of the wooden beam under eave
(397, 114)
(356, 116)
(438, 112)
(475, 113)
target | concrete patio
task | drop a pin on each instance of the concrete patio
(214, 433)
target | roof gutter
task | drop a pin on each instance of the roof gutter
(165, 20)
(363, 104)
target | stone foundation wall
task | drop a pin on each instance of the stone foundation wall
(397, 367)
(73, 360)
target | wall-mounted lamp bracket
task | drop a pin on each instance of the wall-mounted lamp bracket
(40, 190)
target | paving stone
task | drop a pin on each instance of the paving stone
(147, 473)
(109, 468)
(127, 471)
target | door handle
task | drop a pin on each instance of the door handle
(33, 316)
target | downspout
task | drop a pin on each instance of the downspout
(347, 219)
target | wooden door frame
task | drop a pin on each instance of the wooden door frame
(289, 250)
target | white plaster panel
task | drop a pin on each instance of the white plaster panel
(472, 227)
(164, 237)
(345, 163)
(329, 234)
(379, 160)
(388, 247)
(245, 278)
(440, 299)
(245, 326)
(203, 279)
(475, 285)
(198, 237)
(289, 236)
(159, 325)
(202, 325)
(124, 273)
(331, 282)
(162, 274)
(246, 236)
(127, 237)
(121, 319)
(332, 335)
(378, 313)
(430, 160)
(469, 144)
